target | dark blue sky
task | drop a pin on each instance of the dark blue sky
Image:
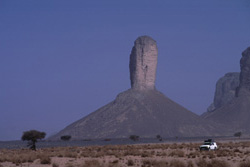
(61, 59)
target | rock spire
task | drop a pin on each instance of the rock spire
(244, 88)
(143, 63)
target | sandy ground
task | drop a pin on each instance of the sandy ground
(229, 154)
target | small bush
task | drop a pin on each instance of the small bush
(213, 163)
(134, 137)
(176, 163)
(45, 160)
(238, 134)
(66, 137)
(154, 163)
(190, 164)
(55, 165)
(177, 153)
(130, 162)
(92, 163)
(245, 164)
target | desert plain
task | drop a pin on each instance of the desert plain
(184, 154)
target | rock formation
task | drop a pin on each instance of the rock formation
(141, 110)
(143, 63)
(225, 90)
(143, 113)
(244, 88)
(236, 114)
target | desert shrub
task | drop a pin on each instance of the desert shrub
(70, 155)
(219, 163)
(55, 165)
(146, 154)
(132, 152)
(92, 163)
(190, 164)
(115, 161)
(193, 154)
(134, 137)
(153, 163)
(245, 164)
(130, 162)
(177, 163)
(223, 152)
(213, 163)
(66, 137)
(177, 153)
(202, 163)
(159, 137)
(45, 159)
(236, 150)
(238, 134)
(68, 164)
(163, 154)
(173, 146)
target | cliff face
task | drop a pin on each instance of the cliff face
(244, 88)
(225, 90)
(141, 110)
(236, 114)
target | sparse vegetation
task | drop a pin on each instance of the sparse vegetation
(245, 164)
(45, 159)
(134, 137)
(159, 137)
(66, 137)
(238, 134)
(143, 155)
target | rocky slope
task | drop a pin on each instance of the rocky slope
(143, 113)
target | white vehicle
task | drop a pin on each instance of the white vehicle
(209, 145)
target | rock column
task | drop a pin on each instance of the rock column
(143, 63)
(244, 87)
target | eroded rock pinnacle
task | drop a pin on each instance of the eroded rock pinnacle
(143, 63)
(244, 88)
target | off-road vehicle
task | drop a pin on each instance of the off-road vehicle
(209, 145)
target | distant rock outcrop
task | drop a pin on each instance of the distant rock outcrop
(225, 90)
(236, 114)
(141, 110)
(143, 63)
(244, 88)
